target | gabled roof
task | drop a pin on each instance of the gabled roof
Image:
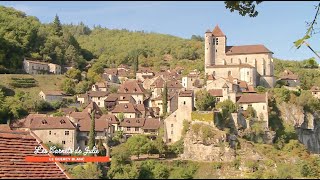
(110, 118)
(100, 124)
(131, 87)
(186, 93)
(111, 71)
(125, 108)
(53, 93)
(247, 49)
(174, 84)
(225, 85)
(151, 123)
(97, 93)
(145, 70)
(93, 106)
(51, 123)
(26, 122)
(288, 75)
(158, 83)
(132, 122)
(215, 92)
(217, 32)
(15, 145)
(252, 98)
(315, 89)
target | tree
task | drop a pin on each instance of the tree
(73, 74)
(92, 131)
(87, 171)
(252, 113)
(82, 87)
(68, 86)
(165, 99)
(57, 28)
(139, 144)
(204, 100)
(243, 7)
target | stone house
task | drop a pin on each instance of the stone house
(128, 110)
(133, 126)
(259, 102)
(51, 96)
(96, 96)
(100, 86)
(315, 90)
(250, 63)
(144, 73)
(192, 81)
(37, 67)
(112, 120)
(172, 103)
(173, 124)
(111, 75)
(135, 89)
(290, 79)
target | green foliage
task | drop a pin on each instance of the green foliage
(23, 82)
(113, 89)
(261, 89)
(310, 63)
(92, 133)
(243, 7)
(120, 154)
(252, 113)
(121, 116)
(82, 87)
(73, 74)
(281, 94)
(206, 117)
(177, 147)
(165, 99)
(68, 86)
(186, 126)
(139, 144)
(217, 165)
(87, 171)
(204, 101)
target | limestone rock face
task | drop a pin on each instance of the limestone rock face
(213, 149)
(307, 127)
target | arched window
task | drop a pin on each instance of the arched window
(246, 60)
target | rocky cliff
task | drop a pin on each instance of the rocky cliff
(306, 125)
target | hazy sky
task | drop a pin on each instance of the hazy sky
(277, 26)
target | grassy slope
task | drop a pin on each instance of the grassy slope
(45, 82)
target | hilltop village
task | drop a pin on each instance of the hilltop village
(161, 104)
(136, 106)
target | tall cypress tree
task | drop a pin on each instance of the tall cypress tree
(92, 131)
(57, 26)
(165, 99)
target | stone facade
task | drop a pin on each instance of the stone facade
(252, 63)
(37, 67)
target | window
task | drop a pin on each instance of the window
(98, 103)
(128, 128)
(263, 107)
(249, 105)
(248, 73)
(66, 133)
(229, 73)
(98, 98)
(85, 142)
(49, 132)
(171, 125)
(264, 71)
(184, 102)
(231, 60)
(246, 60)
(216, 50)
(49, 141)
(169, 140)
(217, 41)
(171, 132)
(87, 133)
(214, 73)
(136, 129)
(63, 142)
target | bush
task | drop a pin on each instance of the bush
(217, 165)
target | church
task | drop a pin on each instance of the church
(250, 63)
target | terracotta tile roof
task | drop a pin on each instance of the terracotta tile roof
(125, 97)
(315, 89)
(132, 87)
(174, 84)
(112, 98)
(158, 83)
(125, 108)
(79, 115)
(100, 125)
(232, 66)
(217, 32)
(171, 95)
(67, 110)
(186, 93)
(97, 93)
(111, 71)
(145, 70)
(125, 73)
(132, 122)
(101, 84)
(288, 75)
(243, 84)
(247, 49)
(151, 123)
(14, 147)
(37, 62)
(252, 98)
(93, 106)
(110, 118)
(215, 92)
(140, 107)
(53, 93)
(51, 123)
(26, 122)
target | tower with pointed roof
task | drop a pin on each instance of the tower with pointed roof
(250, 63)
